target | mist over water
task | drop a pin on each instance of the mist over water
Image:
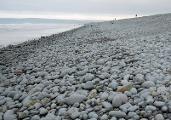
(14, 32)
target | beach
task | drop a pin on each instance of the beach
(112, 70)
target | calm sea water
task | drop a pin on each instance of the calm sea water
(17, 33)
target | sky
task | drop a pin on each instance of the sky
(82, 9)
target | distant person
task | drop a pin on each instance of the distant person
(136, 15)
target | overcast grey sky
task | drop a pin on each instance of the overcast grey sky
(82, 9)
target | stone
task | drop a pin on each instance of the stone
(35, 117)
(62, 111)
(113, 118)
(37, 105)
(164, 108)
(104, 96)
(92, 115)
(104, 117)
(148, 84)
(51, 116)
(43, 111)
(2, 102)
(66, 70)
(37, 88)
(107, 105)
(126, 77)
(159, 117)
(53, 105)
(11, 94)
(104, 75)
(17, 96)
(60, 99)
(101, 61)
(124, 88)
(133, 115)
(22, 115)
(84, 116)
(113, 85)
(88, 77)
(10, 115)
(118, 114)
(88, 85)
(133, 91)
(149, 99)
(125, 107)
(92, 94)
(119, 100)
(74, 98)
(150, 108)
(27, 101)
(162, 90)
(1, 116)
(139, 78)
(19, 72)
(133, 108)
(159, 103)
(73, 112)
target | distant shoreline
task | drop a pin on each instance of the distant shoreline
(23, 32)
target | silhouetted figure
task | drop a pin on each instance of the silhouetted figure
(136, 15)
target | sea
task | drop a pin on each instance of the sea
(15, 31)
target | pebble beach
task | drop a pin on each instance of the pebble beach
(113, 70)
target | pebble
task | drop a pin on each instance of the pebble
(53, 105)
(159, 117)
(150, 108)
(104, 117)
(149, 99)
(74, 98)
(139, 78)
(62, 111)
(148, 84)
(119, 100)
(73, 112)
(159, 103)
(125, 107)
(113, 118)
(113, 85)
(1, 115)
(104, 75)
(88, 77)
(164, 108)
(133, 108)
(88, 85)
(2, 102)
(22, 115)
(124, 88)
(104, 96)
(51, 116)
(101, 61)
(161, 90)
(133, 115)
(92, 115)
(43, 111)
(9, 115)
(37, 105)
(92, 94)
(118, 114)
(107, 105)
(35, 117)
(133, 91)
